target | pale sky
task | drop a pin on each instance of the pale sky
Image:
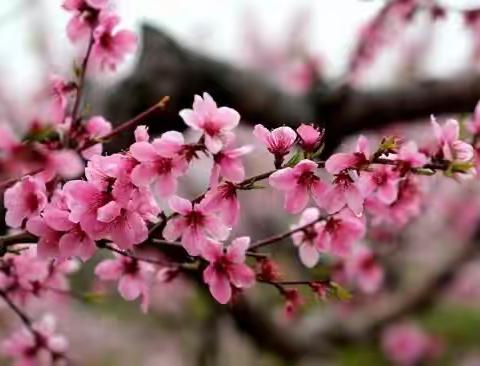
(216, 27)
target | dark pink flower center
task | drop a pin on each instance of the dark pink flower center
(195, 219)
(332, 225)
(380, 178)
(222, 265)
(32, 202)
(163, 166)
(228, 191)
(343, 180)
(307, 179)
(211, 128)
(130, 266)
(309, 234)
(106, 40)
(367, 263)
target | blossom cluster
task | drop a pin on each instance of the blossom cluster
(67, 198)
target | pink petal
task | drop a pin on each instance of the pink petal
(338, 162)
(37, 226)
(451, 130)
(109, 269)
(130, 287)
(283, 179)
(190, 118)
(169, 144)
(143, 174)
(143, 152)
(174, 228)
(215, 227)
(262, 134)
(220, 288)
(228, 118)
(319, 190)
(74, 245)
(309, 255)
(212, 250)
(236, 250)
(242, 276)
(57, 219)
(213, 143)
(296, 200)
(180, 205)
(166, 185)
(388, 193)
(354, 200)
(109, 212)
(362, 146)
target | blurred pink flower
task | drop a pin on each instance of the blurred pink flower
(24, 199)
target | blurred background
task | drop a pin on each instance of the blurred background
(349, 65)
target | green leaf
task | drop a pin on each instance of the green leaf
(93, 297)
(295, 159)
(340, 292)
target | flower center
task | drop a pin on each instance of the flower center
(164, 165)
(211, 128)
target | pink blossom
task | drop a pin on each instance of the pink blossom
(61, 91)
(223, 199)
(24, 199)
(337, 233)
(409, 156)
(160, 162)
(111, 47)
(133, 277)
(106, 205)
(21, 274)
(95, 128)
(307, 239)
(344, 192)
(227, 163)
(193, 224)
(405, 344)
(311, 138)
(451, 147)
(297, 183)
(362, 269)
(382, 180)
(60, 237)
(215, 123)
(29, 350)
(356, 160)
(227, 268)
(85, 17)
(278, 141)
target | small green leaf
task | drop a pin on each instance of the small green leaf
(340, 292)
(296, 157)
(93, 297)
